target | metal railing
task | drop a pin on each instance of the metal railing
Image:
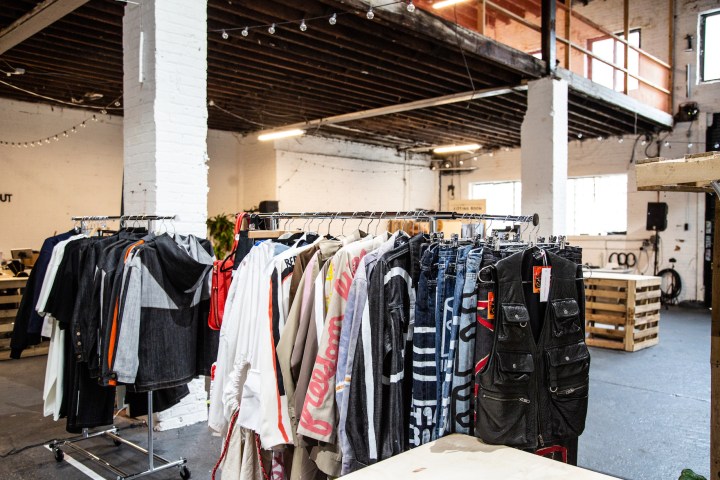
(517, 23)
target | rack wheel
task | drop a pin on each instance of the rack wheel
(59, 455)
(184, 473)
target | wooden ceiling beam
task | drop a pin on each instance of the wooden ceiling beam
(38, 18)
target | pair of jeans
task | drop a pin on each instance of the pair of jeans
(444, 299)
(423, 410)
(461, 396)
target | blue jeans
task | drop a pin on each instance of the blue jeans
(461, 406)
(445, 296)
(423, 414)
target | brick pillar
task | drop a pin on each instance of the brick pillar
(544, 154)
(165, 132)
(165, 127)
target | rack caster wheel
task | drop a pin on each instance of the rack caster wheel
(184, 473)
(59, 455)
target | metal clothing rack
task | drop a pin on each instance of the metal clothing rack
(123, 218)
(112, 432)
(418, 215)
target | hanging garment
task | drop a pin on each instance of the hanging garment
(534, 388)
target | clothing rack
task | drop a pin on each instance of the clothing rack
(417, 215)
(112, 432)
(123, 218)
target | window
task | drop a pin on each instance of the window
(709, 51)
(597, 205)
(613, 51)
(501, 198)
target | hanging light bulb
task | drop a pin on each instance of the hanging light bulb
(410, 6)
(303, 26)
(31, 144)
(117, 103)
(56, 138)
(65, 134)
(83, 125)
(103, 111)
(333, 19)
(271, 30)
(644, 142)
(447, 165)
(600, 138)
(47, 140)
(717, 145)
(225, 35)
(94, 118)
(579, 135)
(460, 162)
(621, 140)
(666, 144)
(690, 145)
(491, 154)
(245, 32)
(73, 130)
(370, 14)
(433, 167)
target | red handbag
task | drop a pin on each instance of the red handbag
(221, 278)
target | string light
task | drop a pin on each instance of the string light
(304, 23)
(644, 142)
(56, 100)
(600, 138)
(579, 135)
(621, 140)
(49, 139)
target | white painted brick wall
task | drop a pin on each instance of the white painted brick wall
(544, 154)
(166, 114)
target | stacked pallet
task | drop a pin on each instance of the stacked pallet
(10, 296)
(622, 311)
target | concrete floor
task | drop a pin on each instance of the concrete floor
(648, 418)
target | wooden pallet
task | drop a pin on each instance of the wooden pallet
(9, 303)
(622, 312)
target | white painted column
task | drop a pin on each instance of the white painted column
(544, 154)
(165, 133)
(165, 126)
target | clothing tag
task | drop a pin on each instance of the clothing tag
(545, 284)
(491, 306)
(537, 272)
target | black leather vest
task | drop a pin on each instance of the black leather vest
(535, 392)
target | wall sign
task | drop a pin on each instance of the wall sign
(5, 197)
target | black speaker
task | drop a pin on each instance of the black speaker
(269, 206)
(657, 216)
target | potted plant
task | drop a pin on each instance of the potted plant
(221, 230)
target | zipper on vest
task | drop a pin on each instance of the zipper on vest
(520, 399)
(570, 390)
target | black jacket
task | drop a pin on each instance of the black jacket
(534, 389)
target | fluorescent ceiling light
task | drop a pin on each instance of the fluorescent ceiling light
(446, 3)
(280, 134)
(471, 147)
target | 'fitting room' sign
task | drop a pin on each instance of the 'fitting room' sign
(5, 197)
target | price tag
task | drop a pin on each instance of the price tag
(545, 284)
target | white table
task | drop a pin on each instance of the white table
(465, 457)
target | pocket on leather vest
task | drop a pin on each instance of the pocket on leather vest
(502, 418)
(567, 317)
(568, 368)
(513, 369)
(515, 320)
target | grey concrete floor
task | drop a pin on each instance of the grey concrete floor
(648, 418)
(649, 411)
